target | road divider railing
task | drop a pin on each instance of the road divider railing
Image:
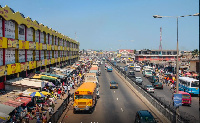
(168, 111)
(56, 116)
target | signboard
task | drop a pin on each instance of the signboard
(37, 46)
(2, 71)
(12, 43)
(39, 63)
(48, 61)
(32, 65)
(29, 34)
(23, 66)
(22, 44)
(3, 42)
(52, 47)
(21, 32)
(27, 45)
(56, 47)
(177, 100)
(61, 47)
(40, 44)
(10, 29)
(48, 47)
(32, 45)
(52, 61)
(13, 68)
(44, 46)
(58, 60)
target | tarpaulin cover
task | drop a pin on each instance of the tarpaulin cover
(24, 100)
(6, 109)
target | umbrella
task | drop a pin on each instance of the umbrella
(37, 94)
(195, 74)
(45, 93)
(50, 84)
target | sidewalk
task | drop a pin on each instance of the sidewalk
(59, 102)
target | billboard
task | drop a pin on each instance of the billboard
(177, 100)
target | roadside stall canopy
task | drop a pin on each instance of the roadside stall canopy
(24, 100)
(44, 77)
(13, 103)
(6, 109)
(37, 76)
(4, 117)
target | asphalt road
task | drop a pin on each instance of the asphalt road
(114, 105)
(166, 94)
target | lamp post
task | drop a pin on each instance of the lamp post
(177, 63)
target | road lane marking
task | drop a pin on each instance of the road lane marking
(114, 91)
(122, 110)
(117, 98)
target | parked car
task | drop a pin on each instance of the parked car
(113, 84)
(158, 85)
(149, 88)
(138, 80)
(144, 116)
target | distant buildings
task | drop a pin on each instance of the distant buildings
(155, 55)
(126, 53)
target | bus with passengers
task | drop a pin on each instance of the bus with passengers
(189, 85)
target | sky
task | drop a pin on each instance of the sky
(117, 24)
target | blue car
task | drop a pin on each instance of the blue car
(109, 69)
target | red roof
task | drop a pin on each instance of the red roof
(24, 100)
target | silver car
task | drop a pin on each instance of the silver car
(149, 88)
(138, 80)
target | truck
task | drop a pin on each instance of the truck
(91, 77)
(95, 69)
(85, 97)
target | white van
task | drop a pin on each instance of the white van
(137, 68)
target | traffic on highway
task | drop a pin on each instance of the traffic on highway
(118, 100)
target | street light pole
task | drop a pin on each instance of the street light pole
(177, 72)
(177, 60)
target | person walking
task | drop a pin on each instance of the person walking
(59, 93)
(68, 88)
(171, 86)
(65, 88)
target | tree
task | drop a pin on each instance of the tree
(195, 52)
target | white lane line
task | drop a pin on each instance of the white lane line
(122, 110)
(114, 91)
(117, 98)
